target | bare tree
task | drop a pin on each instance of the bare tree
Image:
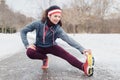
(85, 13)
(9, 21)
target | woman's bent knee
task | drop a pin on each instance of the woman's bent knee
(30, 53)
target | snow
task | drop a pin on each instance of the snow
(105, 47)
(9, 45)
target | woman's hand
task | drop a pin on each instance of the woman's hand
(86, 51)
(32, 46)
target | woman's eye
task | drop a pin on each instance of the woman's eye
(59, 16)
(55, 16)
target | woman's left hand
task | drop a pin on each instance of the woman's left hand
(32, 47)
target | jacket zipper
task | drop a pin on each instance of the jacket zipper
(52, 35)
(45, 29)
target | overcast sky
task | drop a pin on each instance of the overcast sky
(33, 7)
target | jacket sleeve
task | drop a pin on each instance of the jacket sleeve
(63, 35)
(28, 28)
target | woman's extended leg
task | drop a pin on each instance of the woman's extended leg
(60, 52)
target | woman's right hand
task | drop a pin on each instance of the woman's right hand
(32, 46)
(86, 51)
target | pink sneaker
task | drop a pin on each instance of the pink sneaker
(88, 65)
(45, 64)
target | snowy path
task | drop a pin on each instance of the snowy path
(18, 67)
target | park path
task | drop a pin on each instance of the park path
(20, 67)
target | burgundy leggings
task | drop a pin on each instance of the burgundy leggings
(40, 53)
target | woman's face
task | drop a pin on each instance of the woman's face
(55, 18)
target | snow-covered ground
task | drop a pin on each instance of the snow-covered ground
(105, 47)
(9, 45)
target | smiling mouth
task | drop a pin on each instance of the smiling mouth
(56, 21)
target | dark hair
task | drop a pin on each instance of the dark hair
(45, 14)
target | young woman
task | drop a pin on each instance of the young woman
(48, 29)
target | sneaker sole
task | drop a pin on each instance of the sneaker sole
(90, 64)
(91, 70)
(44, 69)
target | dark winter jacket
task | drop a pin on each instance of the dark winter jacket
(47, 39)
